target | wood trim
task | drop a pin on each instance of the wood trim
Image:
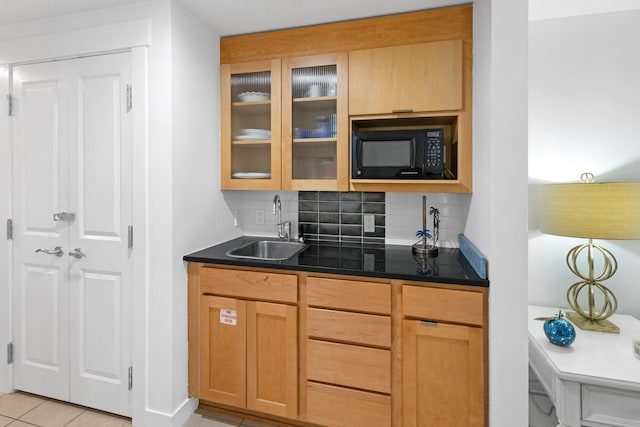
(396, 353)
(302, 347)
(193, 322)
(391, 30)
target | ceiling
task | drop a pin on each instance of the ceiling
(232, 17)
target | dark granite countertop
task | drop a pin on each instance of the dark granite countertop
(388, 261)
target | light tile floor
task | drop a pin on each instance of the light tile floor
(27, 410)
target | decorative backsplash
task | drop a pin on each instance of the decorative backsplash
(339, 217)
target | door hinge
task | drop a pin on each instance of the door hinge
(129, 98)
(9, 353)
(130, 377)
(9, 229)
(9, 105)
(130, 237)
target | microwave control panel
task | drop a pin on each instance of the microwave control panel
(434, 155)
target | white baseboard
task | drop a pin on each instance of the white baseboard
(163, 419)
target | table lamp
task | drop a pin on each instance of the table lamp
(591, 210)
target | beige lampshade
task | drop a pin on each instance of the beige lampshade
(609, 210)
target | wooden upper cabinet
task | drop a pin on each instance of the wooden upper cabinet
(315, 135)
(250, 137)
(410, 78)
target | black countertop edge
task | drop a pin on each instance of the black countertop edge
(377, 261)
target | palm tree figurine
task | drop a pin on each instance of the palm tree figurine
(421, 247)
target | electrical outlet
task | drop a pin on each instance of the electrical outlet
(260, 217)
(369, 223)
(369, 262)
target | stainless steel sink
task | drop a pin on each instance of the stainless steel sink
(272, 250)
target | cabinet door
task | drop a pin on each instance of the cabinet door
(223, 348)
(443, 375)
(315, 137)
(250, 125)
(411, 78)
(272, 358)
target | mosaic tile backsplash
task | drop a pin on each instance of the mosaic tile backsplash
(339, 217)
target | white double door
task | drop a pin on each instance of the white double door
(72, 286)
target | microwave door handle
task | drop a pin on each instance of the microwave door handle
(414, 154)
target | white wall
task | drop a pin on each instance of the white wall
(498, 211)
(584, 110)
(200, 217)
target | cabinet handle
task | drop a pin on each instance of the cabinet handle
(428, 323)
(406, 110)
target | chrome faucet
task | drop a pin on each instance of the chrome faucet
(284, 228)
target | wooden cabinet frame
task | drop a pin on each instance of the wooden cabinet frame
(406, 311)
(449, 23)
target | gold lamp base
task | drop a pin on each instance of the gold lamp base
(594, 316)
(592, 325)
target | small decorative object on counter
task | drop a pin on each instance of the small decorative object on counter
(421, 247)
(559, 330)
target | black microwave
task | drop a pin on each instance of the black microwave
(398, 154)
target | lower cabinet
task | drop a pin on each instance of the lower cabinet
(341, 353)
(248, 353)
(442, 375)
(443, 364)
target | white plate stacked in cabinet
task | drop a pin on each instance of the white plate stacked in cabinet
(348, 352)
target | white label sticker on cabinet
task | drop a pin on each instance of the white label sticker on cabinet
(228, 317)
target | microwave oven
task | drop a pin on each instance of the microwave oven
(398, 154)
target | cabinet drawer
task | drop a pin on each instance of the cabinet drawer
(341, 407)
(443, 305)
(367, 329)
(349, 365)
(609, 406)
(349, 295)
(249, 284)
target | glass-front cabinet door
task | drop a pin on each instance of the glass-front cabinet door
(315, 138)
(250, 100)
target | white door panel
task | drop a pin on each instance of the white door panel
(41, 291)
(100, 189)
(73, 154)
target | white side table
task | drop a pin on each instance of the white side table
(593, 382)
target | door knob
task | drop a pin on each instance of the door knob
(77, 252)
(57, 251)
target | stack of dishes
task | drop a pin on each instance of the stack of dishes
(254, 96)
(253, 134)
(251, 175)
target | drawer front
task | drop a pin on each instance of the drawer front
(367, 329)
(349, 295)
(341, 407)
(249, 284)
(443, 305)
(349, 365)
(609, 406)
